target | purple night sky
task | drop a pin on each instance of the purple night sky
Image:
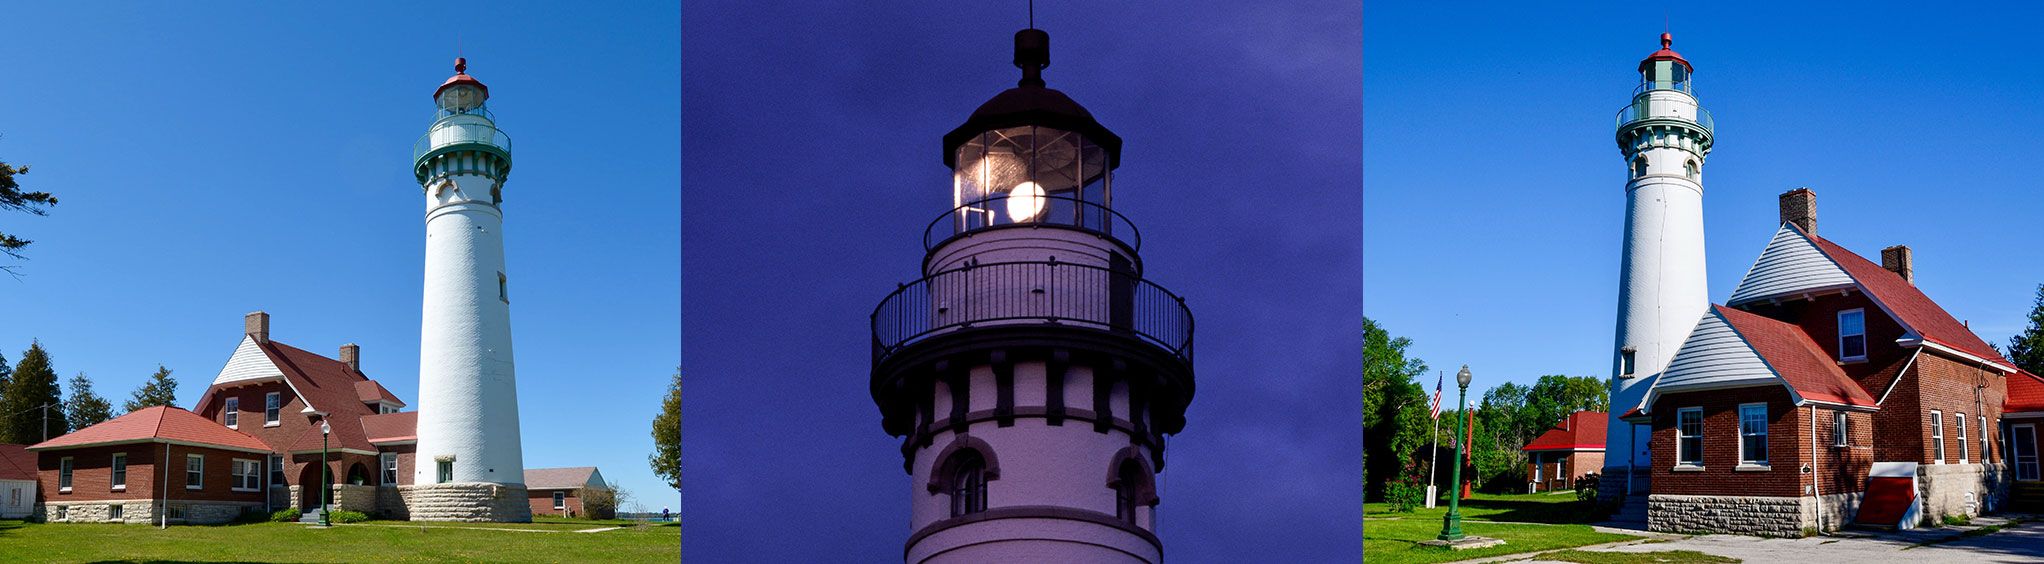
(811, 163)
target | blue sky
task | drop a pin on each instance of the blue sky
(812, 140)
(214, 159)
(1494, 198)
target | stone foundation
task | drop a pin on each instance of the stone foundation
(144, 511)
(1959, 489)
(467, 501)
(1762, 516)
(390, 504)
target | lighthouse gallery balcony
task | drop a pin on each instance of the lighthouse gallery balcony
(471, 129)
(1641, 110)
(1073, 295)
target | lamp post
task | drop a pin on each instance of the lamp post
(326, 484)
(1451, 524)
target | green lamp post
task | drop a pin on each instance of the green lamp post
(326, 484)
(1451, 524)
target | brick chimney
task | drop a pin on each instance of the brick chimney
(351, 355)
(1897, 259)
(1799, 206)
(257, 324)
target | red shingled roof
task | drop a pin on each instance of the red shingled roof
(1803, 365)
(16, 462)
(391, 427)
(2026, 393)
(370, 391)
(1580, 430)
(157, 424)
(1908, 304)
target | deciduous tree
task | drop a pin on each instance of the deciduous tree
(666, 457)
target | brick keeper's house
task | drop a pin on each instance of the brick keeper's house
(1830, 390)
(1556, 459)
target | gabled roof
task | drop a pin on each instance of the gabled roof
(1732, 348)
(324, 384)
(562, 478)
(16, 462)
(157, 425)
(1582, 430)
(391, 427)
(2026, 393)
(1796, 263)
(369, 391)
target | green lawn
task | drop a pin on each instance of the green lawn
(292, 542)
(1394, 537)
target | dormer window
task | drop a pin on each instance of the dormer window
(1852, 335)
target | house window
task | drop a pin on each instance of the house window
(1689, 436)
(446, 471)
(968, 483)
(1125, 501)
(247, 475)
(232, 415)
(195, 471)
(1838, 432)
(113, 512)
(1689, 168)
(390, 468)
(1852, 334)
(273, 403)
(64, 474)
(1960, 420)
(1625, 365)
(63, 512)
(503, 288)
(1753, 434)
(277, 469)
(560, 500)
(120, 471)
(1937, 436)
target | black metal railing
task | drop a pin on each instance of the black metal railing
(1061, 211)
(1032, 292)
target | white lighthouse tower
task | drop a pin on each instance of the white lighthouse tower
(1032, 371)
(1664, 136)
(468, 465)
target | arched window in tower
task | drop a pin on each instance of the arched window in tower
(1639, 167)
(1689, 169)
(1126, 497)
(968, 483)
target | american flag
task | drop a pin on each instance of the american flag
(1437, 396)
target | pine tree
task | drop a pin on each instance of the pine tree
(12, 198)
(666, 457)
(2027, 348)
(84, 407)
(161, 389)
(32, 404)
(6, 375)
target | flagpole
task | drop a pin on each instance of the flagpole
(1431, 466)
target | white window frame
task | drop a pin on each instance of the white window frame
(1841, 434)
(65, 468)
(1627, 361)
(117, 471)
(273, 409)
(389, 464)
(113, 511)
(1679, 452)
(63, 513)
(443, 471)
(247, 476)
(1743, 434)
(560, 500)
(1965, 454)
(1937, 436)
(1862, 334)
(231, 414)
(200, 483)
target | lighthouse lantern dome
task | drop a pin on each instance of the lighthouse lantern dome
(1665, 69)
(1031, 154)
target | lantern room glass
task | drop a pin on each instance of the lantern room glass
(1031, 175)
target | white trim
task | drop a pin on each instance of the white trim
(234, 472)
(394, 443)
(1898, 377)
(1750, 467)
(1914, 340)
(154, 440)
(1839, 319)
(346, 450)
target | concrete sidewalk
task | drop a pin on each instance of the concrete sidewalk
(2021, 543)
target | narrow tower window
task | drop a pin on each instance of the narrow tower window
(1639, 167)
(1625, 365)
(446, 472)
(503, 288)
(968, 484)
(1125, 500)
(1689, 169)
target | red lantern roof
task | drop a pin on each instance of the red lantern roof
(1665, 54)
(461, 77)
